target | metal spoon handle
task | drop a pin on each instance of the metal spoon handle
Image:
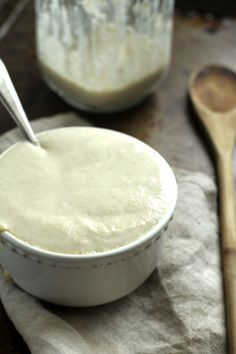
(10, 100)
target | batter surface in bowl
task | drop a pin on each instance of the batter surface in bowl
(86, 190)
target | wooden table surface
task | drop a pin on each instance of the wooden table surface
(164, 120)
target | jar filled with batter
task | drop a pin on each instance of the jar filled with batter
(103, 55)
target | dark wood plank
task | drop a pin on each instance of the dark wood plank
(219, 7)
(6, 7)
(10, 14)
(10, 340)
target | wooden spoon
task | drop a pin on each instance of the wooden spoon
(213, 93)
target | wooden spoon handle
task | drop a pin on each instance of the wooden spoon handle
(228, 239)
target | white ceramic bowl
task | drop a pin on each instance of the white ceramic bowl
(85, 280)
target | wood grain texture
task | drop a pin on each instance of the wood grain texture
(219, 7)
(217, 111)
(8, 21)
(164, 120)
(228, 241)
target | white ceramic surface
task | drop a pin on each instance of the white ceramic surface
(84, 280)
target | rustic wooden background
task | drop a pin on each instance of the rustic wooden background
(219, 8)
(164, 120)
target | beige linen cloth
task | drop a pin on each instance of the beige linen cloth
(179, 309)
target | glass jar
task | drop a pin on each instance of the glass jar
(103, 55)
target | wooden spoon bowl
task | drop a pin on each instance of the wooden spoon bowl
(207, 85)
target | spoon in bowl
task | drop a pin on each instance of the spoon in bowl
(213, 93)
(11, 101)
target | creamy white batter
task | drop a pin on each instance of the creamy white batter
(87, 190)
(98, 64)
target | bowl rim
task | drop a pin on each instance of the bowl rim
(130, 247)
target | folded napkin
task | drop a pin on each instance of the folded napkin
(179, 309)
